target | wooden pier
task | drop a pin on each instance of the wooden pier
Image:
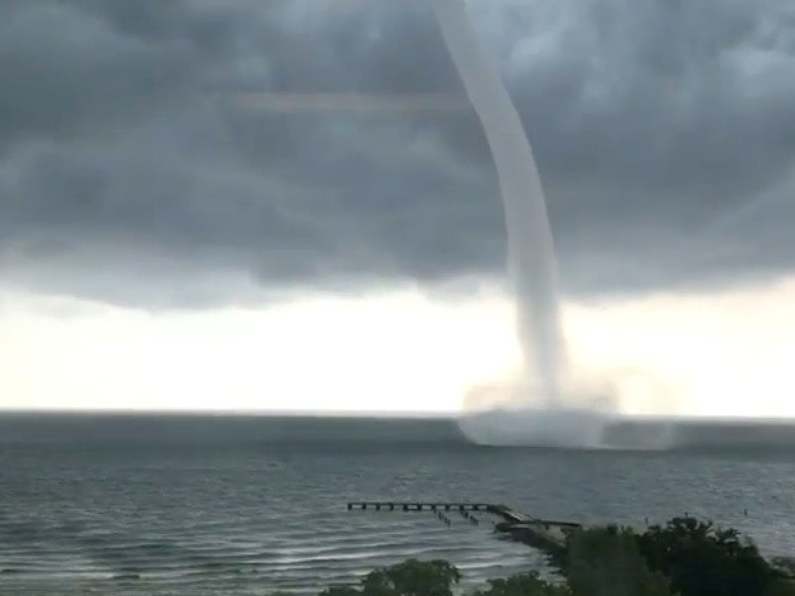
(546, 534)
(420, 506)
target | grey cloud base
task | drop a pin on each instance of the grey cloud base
(665, 135)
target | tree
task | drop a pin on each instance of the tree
(607, 562)
(702, 560)
(523, 584)
(409, 578)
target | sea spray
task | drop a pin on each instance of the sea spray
(531, 256)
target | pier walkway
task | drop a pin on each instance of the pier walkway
(547, 534)
(420, 506)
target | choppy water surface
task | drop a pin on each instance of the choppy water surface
(204, 505)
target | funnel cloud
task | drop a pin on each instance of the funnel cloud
(531, 255)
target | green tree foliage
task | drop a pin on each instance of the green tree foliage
(782, 587)
(523, 584)
(410, 578)
(702, 560)
(607, 562)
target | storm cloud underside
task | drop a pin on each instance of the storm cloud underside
(129, 173)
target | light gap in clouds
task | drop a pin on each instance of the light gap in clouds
(722, 353)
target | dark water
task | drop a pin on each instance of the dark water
(211, 505)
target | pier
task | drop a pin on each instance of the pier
(545, 534)
(420, 506)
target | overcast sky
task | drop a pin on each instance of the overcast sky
(133, 170)
(193, 155)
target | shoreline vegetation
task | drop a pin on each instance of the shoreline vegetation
(684, 557)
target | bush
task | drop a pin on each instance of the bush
(781, 587)
(607, 562)
(410, 578)
(524, 584)
(702, 560)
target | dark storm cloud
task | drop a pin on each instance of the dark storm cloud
(131, 171)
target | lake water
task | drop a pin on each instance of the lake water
(247, 505)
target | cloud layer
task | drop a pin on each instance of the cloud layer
(133, 169)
